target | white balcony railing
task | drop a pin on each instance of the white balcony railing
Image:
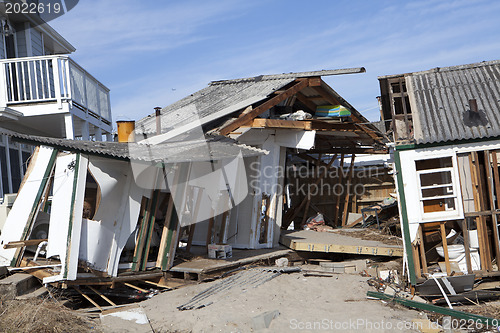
(52, 79)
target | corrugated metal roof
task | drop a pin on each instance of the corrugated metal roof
(212, 148)
(442, 95)
(222, 98)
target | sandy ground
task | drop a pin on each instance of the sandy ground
(305, 304)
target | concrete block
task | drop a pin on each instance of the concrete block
(37, 293)
(18, 284)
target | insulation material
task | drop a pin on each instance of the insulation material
(25, 207)
(66, 214)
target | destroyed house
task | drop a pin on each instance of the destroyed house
(43, 92)
(205, 171)
(445, 123)
(293, 116)
(88, 211)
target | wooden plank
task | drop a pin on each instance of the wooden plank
(211, 223)
(306, 101)
(168, 218)
(445, 248)
(341, 178)
(102, 296)
(281, 123)
(150, 225)
(416, 261)
(244, 118)
(88, 298)
(423, 260)
(391, 251)
(17, 244)
(141, 239)
(345, 216)
(491, 196)
(350, 225)
(135, 287)
(478, 204)
(465, 230)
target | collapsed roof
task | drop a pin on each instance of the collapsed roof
(225, 106)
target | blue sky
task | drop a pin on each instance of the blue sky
(152, 53)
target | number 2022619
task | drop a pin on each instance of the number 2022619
(33, 8)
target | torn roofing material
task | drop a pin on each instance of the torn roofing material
(441, 107)
(221, 98)
(212, 148)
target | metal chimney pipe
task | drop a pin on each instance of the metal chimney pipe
(126, 130)
(473, 105)
(158, 120)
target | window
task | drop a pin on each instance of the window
(437, 186)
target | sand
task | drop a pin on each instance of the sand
(305, 304)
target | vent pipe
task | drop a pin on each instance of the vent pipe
(158, 120)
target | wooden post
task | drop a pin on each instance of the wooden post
(465, 230)
(341, 178)
(416, 261)
(422, 249)
(490, 163)
(348, 194)
(480, 221)
(445, 248)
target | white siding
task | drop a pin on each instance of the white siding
(36, 42)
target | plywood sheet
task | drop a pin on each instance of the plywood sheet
(333, 242)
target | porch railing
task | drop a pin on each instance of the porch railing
(52, 79)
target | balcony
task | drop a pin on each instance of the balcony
(50, 85)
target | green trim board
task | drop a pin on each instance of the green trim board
(412, 146)
(150, 227)
(136, 261)
(404, 218)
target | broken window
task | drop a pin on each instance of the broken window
(437, 185)
(92, 197)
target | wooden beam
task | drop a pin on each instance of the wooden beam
(491, 195)
(281, 123)
(88, 298)
(102, 296)
(423, 260)
(341, 179)
(135, 287)
(465, 230)
(18, 244)
(305, 100)
(445, 248)
(244, 118)
(348, 194)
